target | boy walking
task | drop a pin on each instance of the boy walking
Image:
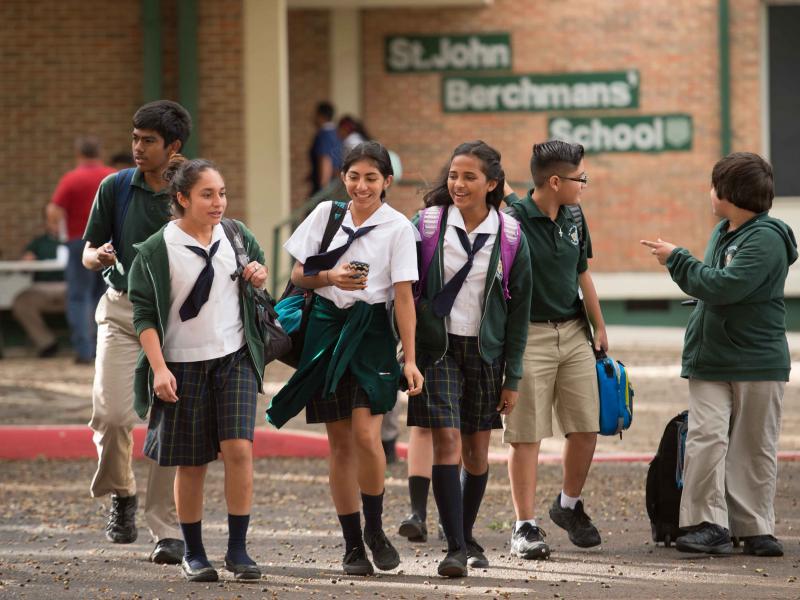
(559, 366)
(736, 358)
(160, 129)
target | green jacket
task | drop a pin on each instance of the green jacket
(149, 291)
(504, 324)
(737, 332)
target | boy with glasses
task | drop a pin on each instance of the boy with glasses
(559, 366)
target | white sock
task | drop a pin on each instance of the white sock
(568, 501)
(521, 523)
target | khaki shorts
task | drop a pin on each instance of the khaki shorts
(558, 376)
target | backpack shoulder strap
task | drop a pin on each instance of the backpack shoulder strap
(510, 233)
(429, 226)
(123, 192)
(338, 210)
(577, 215)
(234, 235)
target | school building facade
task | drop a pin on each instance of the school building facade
(656, 91)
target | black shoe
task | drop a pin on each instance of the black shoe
(49, 351)
(390, 451)
(384, 555)
(208, 573)
(414, 528)
(243, 572)
(707, 538)
(121, 526)
(454, 564)
(762, 545)
(356, 562)
(476, 559)
(576, 522)
(168, 551)
(528, 542)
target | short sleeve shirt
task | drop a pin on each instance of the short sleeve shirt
(75, 193)
(45, 247)
(147, 213)
(390, 250)
(557, 258)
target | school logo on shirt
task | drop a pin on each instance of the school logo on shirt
(572, 234)
(730, 251)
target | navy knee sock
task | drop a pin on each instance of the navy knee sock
(194, 553)
(351, 530)
(373, 512)
(237, 540)
(473, 488)
(447, 492)
(418, 492)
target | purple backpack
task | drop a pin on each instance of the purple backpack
(430, 226)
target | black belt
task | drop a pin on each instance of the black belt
(560, 319)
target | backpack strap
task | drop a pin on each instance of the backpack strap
(234, 235)
(338, 210)
(429, 226)
(123, 192)
(510, 233)
(577, 215)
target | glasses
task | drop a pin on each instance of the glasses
(582, 180)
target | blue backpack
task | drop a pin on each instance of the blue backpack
(616, 395)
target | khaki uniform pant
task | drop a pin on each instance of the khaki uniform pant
(731, 463)
(31, 303)
(113, 418)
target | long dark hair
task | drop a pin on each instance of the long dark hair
(373, 152)
(181, 176)
(489, 158)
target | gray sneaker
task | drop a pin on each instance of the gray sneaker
(576, 522)
(528, 542)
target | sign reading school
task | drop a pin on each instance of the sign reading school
(563, 91)
(425, 53)
(653, 133)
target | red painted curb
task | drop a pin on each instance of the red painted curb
(75, 441)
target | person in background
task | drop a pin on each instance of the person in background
(351, 132)
(326, 149)
(121, 160)
(71, 203)
(47, 294)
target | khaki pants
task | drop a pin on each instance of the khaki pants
(113, 418)
(731, 462)
(31, 303)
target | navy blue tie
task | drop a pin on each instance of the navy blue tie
(327, 260)
(443, 301)
(202, 287)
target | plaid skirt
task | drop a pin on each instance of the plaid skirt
(340, 404)
(217, 401)
(460, 391)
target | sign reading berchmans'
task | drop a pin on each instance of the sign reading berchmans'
(563, 91)
(421, 53)
(651, 133)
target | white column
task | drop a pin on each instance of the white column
(266, 118)
(345, 57)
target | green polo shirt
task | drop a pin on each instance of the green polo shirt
(556, 257)
(45, 247)
(147, 213)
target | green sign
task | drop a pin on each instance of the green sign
(425, 53)
(567, 91)
(651, 133)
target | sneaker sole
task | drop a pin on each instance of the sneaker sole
(206, 576)
(452, 571)
(412, 532)
(122, 539)
(386, 566)
(536, 554)
(701, 549)
(355, 570)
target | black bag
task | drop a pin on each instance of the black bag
(275, 340)
(665, 481)
(298, 336)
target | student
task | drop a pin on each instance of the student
(470, 338)
(559, 364)
(325, 153)
(736, 359)
(206, 360)
(160, 129)
(348, 374)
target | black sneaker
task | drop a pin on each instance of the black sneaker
(576, 522)
(121, 526)
(356, 562)
(528, 542)
(168, 551)
(414, 529)
(454, 564)
(384, 555)
(707, 538)
(762, 545)
(475, 556)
